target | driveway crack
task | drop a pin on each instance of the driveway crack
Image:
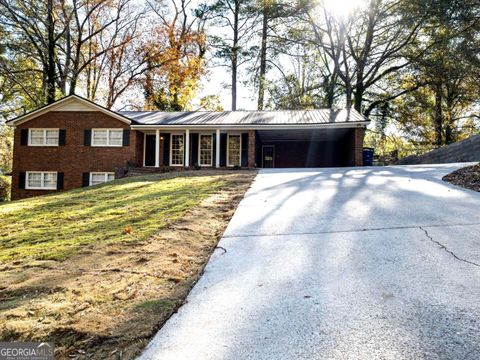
(446, 249)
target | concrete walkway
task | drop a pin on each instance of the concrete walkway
(366, 263)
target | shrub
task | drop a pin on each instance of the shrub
(4, 188)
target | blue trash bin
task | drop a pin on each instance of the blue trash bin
(368, 156)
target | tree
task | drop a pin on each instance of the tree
(366, 47)
(211, 103)
(175, 57)
(117, 69)
(58, 42)
(6, 148)
(276, 18)
(304, 86)
(447, 74)
(30, 27)
(233, 48)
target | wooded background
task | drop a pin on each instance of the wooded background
(412, 66)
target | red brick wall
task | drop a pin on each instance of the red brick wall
(358, 146)
(251, 149)
(138, 146)
(74, 158)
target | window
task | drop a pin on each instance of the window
(176, 150)
(41, 180)
(234, 150)
(205, 151)
(43, 137)
(107, 137)
(101, 177)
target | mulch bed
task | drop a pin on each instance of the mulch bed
(468, 177)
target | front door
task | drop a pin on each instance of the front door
(149, 150)
(268, 156)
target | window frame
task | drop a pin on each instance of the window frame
(171, 149)
(29, 143)
(108, 130)
(200, 149)
(239, 152)
(105, 173)
(42, 180)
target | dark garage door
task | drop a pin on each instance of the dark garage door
(305, 148)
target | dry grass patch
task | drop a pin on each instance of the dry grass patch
(467, 177)
(103, 291)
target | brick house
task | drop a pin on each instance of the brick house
(74, 142)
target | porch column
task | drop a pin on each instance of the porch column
(157, 148)
(187, 148)
(251, 149)
(217, 149)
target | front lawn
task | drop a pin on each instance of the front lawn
(98, 270)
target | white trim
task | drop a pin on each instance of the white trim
(157, 148)
(42, 180)
(63, 102)
(247, 127)
(171, 144)
(105, 174)
(186, 156)
(217, 148)
(44, 137)
(144, 148)
(108, 137)
(228, 150)
(200, 149)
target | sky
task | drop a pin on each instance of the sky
(217, 82)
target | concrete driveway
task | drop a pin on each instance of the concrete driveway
(366, 263)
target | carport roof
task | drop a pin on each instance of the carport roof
(257, 118)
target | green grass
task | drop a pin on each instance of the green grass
(127, 210)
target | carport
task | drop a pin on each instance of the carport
(305, 148)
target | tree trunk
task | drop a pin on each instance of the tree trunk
(330, 90)
(235, 55)
(348, 93)
(449, 135)
(51, 54)
(263, 58)
(438, 116)
(358, 98)
(349, 99)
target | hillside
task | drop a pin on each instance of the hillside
(98, 270)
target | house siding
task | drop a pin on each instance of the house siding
(74, 158)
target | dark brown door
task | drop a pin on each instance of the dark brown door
(150, 150)
(268, 156)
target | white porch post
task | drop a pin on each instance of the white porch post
(187, 148)
(217, 149)
(157, 148)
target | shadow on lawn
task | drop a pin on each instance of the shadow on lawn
(72, 219)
